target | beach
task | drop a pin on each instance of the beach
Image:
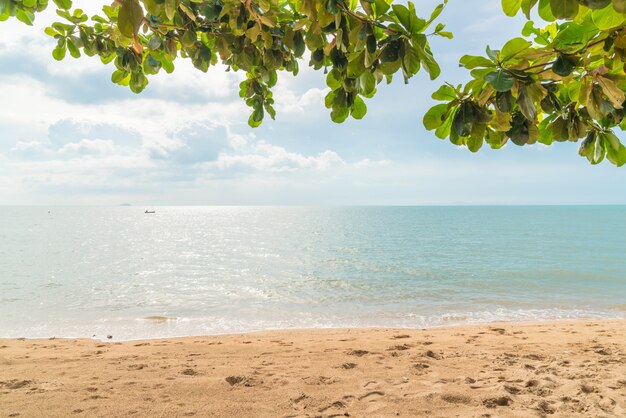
(562, 368)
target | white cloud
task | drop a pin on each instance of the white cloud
(80, 140)
(89, 147)
(29, 103)
(29, 147)
(369, 163)
(290, 102)
(189, 82)
(271, 158)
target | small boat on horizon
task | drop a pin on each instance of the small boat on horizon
(150, 211)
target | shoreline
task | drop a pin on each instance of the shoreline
(556, 368)
(330, 328)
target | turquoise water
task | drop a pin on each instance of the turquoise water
(94, 271)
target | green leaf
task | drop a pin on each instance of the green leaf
(545, 133)
(270, 111)
(167, 64)
(443, 131)
(265, 5)
(170, 8)
(367, 83)
(58, 53)
(435, 14)
(255, 119)
(504, 101)
(63, 4)
(445, 93)
(613, 140)
(29, 3)
(511, 7)
(586, 145)
(129, 18)
(49, 30)
(382, 6)
(359, 109)
(138, 82)
(5, 9)
(545, 11)
(527, 6)
(464, 119)
(598, 151)
(189, 37)
(25, 16)
(616, 157)
(492, 54)
(607, 18)
(472, 61)
(73, 49)
(563, 66)
(339, 114)
(155, 42)
(612, 91)
(333, 79)
(408, 18)
(411, 59)
(572, 35)
(403, 15)
(475, 142)
(201, 59)
(526, 104)
(329, 99)
(564, 9)
(429, 63)
(596, 4)
(500, 80)
(513, 47)
(299, 45)
(118, 76)
(371, 44)
(433, 119)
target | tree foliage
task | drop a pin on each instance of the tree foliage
(563, 81)
(357, 45)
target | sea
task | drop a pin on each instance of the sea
(118, 272)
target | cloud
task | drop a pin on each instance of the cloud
(270, 158)
(188, 85)
(89, 147)
(68, 135)
(147, 139)
(291, 102)
(200, 142)
(31, 150)
(68, 131)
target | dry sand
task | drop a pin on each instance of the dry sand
(500, 370)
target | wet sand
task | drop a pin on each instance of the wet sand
(566, 369)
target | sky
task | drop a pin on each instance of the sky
(68, 136)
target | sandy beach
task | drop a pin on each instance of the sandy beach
(498, 370)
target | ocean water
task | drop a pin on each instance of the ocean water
(98, 271)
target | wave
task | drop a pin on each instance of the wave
(156, 326)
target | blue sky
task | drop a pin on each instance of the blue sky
(70, 136)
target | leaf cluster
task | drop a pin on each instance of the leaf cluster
(563, 82)
(357, 43)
